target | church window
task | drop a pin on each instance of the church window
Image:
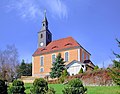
(41, 69)
(66, 56)
(41, 61)
(53, 58)
(41, 35)
(82, 56)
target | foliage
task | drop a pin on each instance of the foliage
(25, 69)
(51, 91)
(81, 70)
(65, 73)
(115, 71)
(58, 67)
(63, 76)
(96, 67)
(3, 87)
(40, 86)
(8, 62)
(75, 86)
(17, 87)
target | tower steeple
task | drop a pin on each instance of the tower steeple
(44, 22)
(44, 36)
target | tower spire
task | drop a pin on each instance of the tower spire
(45, 13)
(44, 35)
(44, 22)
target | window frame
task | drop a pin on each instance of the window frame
(65, 56)
(42, 64)
(42, 69)
(41, 35)
(52, 58)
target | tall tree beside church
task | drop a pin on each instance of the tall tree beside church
(58, 67)
(24, 69)
(115, 71)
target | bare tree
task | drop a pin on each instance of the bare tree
(8, 62)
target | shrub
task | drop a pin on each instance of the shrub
(96, 68)
(40, 86)
(51, 91)
(81, 71)
(3, 87)
(63, 76)
(74, 86)
(17, 87)
(65, 73)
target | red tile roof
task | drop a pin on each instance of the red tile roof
(61, 44)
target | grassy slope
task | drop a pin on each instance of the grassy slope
(91, 89)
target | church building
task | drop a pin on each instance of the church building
(75, 56)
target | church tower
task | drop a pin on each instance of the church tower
(44, 36)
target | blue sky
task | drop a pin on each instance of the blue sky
(95, 24)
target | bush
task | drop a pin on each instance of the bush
(3, 87)
(39, 86)
(96, 68)
(81, 71)
(75, 86)
(63, 76)
(65, 73)
(17, 87)
(51, 91)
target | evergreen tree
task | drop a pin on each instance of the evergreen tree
(58, 67)
(24, 69)
(115, 71)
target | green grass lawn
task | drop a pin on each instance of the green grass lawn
(91, 89)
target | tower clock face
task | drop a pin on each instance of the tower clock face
(41, 43)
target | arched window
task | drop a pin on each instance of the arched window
(41, 69)
(41, 36)
(53, 58)
(41, 61)
(66, 56)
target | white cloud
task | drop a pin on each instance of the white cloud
(32, 9)
(57, 7)
(25, 8)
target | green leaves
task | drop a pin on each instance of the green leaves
(115, 71)
(17, 87)
(75, 86)
(58, 67)
(40, 86)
